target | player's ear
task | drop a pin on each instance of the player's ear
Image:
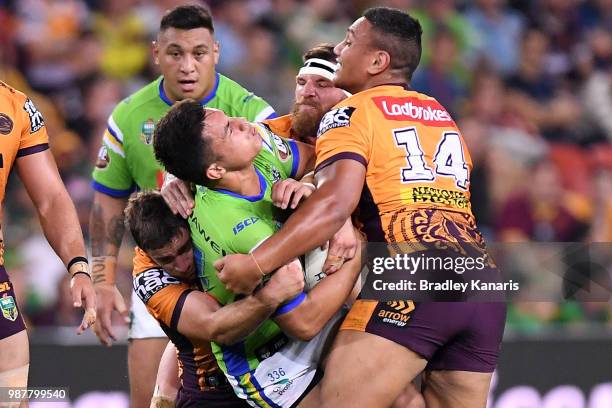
(215, 172)
(216, 51)
(380, 62)
(155, 51)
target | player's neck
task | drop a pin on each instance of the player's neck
(244, 182)
(380, 80)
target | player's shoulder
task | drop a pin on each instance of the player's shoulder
(134, 103)
(395, 103)
(228, 86)
(11, 95)
(236, 100)
(280, 125)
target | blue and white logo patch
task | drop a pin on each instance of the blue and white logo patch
(336, 118)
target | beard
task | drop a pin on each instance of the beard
(305, 122)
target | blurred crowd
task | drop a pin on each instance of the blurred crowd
(529, 83)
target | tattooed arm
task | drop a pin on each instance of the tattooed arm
(106, 233)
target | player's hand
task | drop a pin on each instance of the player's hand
(342, 247)
(285, 284)
(84, 295)
(108, 299)
(178, 195)
(238, 273)
(290, 192)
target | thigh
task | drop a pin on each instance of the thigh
(143, 362)
(168, 382)
(456, 389)
(358, 359)
(14, 360)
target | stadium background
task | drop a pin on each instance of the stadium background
(529, 82)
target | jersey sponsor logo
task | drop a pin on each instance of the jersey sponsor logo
(207, 237)
(5, 287)
(6, 124)
(399, 315)
(147, 130)
(431, 195)
(247, 222)
(336, 118)
(428, 112)
(36, 118)
(152, 281)
(103, 158)
(9, 308)
(284, 152)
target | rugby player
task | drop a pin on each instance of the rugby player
(164, 274)
(186, 53)
(374, 150)
(24, 142)
(235, 164)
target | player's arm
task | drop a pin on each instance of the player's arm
(313, 223)
(307, 319)
(112, 183)
(106, 230)
(201, 318)
(307, 157)
(60, 224)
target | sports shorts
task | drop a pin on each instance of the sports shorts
(11, 321)
(214, 399)
(142, 324)
(463, 336)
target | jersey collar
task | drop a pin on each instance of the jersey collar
(203, 102)
(263, 185)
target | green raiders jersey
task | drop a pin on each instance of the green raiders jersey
(223, 223)
(126, 160)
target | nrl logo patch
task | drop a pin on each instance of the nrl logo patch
(6, 124)
(9, 308)
(146, 133)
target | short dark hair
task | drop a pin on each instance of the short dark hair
(187, 17)
(323, 51)
(399, 34)
(151, 222)
(179, 145)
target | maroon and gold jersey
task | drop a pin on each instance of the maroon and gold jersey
(414, 154)
(22, 132)
(164, 297)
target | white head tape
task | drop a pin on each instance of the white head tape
(318, 66)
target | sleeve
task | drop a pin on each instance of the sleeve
(343, 134)
(167, 304)
(111, 174)
(163, 295)
(34, 137)
(246, 104)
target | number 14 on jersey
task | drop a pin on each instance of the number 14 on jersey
(448, 159)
